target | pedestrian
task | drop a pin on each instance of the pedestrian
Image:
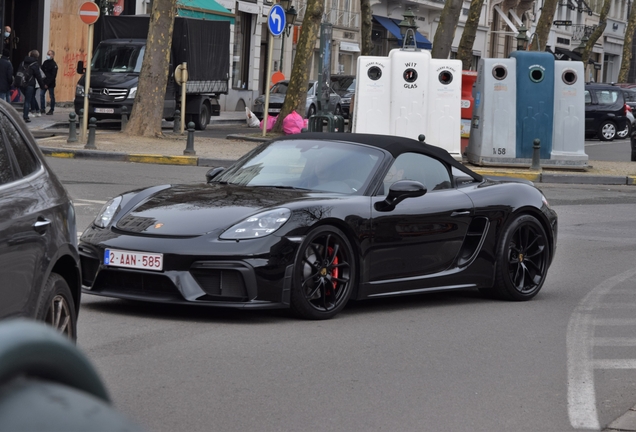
(31, 63)
(49, 67)
(6, 76)
(7, 38)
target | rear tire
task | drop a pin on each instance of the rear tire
(57, 307)
(522, 259)
(201, 121)
(607, 131)
(625, 133)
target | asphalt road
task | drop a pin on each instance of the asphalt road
(617, 150)
(442, 362)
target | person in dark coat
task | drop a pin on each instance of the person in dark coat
(49, 67)
(6, 76)
(31, 62)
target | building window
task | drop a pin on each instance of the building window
(241, 55)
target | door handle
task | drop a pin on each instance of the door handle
(460, 213)
(41, 225)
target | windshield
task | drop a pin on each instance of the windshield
(118, 58)
(322, 166)
(281, 88)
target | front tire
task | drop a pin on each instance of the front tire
(324, 274)
(607, 131)
(57, 307)
(522, 259)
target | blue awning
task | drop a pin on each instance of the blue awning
(392, 26)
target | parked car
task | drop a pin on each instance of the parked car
(345, 86)
(605, 112)
(277, 95)
(39, 261)
(310, 221)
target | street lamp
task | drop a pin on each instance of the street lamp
(407, 29)
(522, 39)
(290, 18)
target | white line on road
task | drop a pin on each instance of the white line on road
(579, 341)
(615, 364)
(614, 341)
(614, 321)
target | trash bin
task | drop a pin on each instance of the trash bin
(568, 137)
(444, 99)
(372, 96)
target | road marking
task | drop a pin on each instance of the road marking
(614, 321)
(580, 342)
(614, 341)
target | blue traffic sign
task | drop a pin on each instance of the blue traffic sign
(276, 20)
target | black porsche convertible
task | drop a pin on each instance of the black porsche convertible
(310, 221)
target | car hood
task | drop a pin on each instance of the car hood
(112, 80)
(192, 210)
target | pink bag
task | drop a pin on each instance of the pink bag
(293, 123)
(271, 121)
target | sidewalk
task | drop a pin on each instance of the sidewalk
(52, 134)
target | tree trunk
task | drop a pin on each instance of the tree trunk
(465, 49)
(627, 46)
(445, 32)
(544, 25)
(597, 33)
(147, 111)
(365, 27)
(296, 97)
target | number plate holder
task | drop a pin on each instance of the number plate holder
(133, 259)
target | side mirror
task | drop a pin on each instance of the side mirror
(80, 67)
(398, 192)
(213, 173)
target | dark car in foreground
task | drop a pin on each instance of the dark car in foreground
(313, 220)
(39, 262)
(605, 111)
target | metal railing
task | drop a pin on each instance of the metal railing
(581, 30)
(336, 17)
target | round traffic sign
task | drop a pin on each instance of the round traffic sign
(89, 12)
(276, 20)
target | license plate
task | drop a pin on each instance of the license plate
(132, 259)
(274, 110)
(105, 110)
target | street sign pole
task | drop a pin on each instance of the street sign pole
(276, 24)
(87, 82)
(269, 81)
(89, 14)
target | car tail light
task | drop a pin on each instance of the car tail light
(627, 108)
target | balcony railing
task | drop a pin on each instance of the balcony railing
(336, 17)
(580, 30)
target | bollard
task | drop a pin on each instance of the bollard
(536, 155)
(124, 117)
(92, 125)
(189, 150)
(176, 128)
(81, 116)
(72, 128)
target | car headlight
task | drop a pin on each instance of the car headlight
(106, 214)
(79, 90)
(346, 100)
(259, 225)
(132, 93)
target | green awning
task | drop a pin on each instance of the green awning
(204, 9)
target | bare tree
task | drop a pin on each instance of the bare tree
(147, 111)
(598, 32)
(544, 25)
(465, 49)
(445, 32)
(627, 46)
(296, 96)
(365, 27)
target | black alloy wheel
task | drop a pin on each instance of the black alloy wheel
(324, 274)
(57, 307)
(522, 259)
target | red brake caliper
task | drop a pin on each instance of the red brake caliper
(334, 271)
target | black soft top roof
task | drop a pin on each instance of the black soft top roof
(395, 145)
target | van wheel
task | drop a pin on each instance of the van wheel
(607, 131)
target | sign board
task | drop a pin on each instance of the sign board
(562, 23)
(276, 20)
(89, 12)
